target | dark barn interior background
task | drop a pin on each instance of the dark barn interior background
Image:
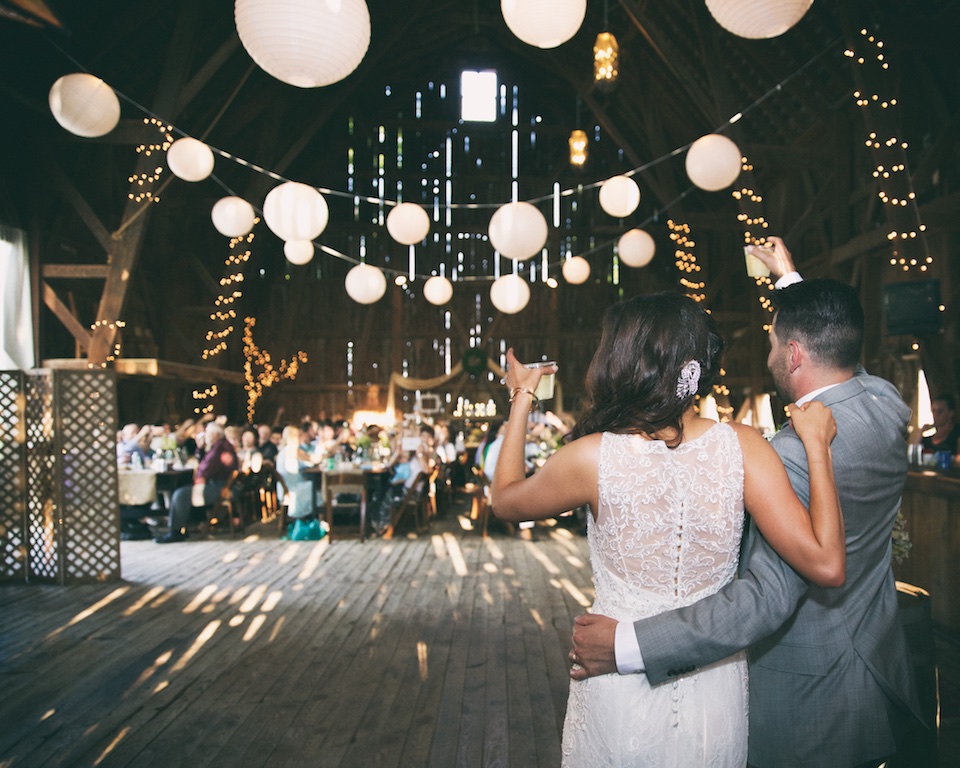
(100, 257)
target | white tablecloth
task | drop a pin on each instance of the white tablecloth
(137, 486)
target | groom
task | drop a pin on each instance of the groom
(830, 678)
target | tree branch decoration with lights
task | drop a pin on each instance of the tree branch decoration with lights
(266, 375)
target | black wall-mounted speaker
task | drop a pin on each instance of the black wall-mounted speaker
(912, 308)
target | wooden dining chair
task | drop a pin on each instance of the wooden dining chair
(345, 496)
(412, 509)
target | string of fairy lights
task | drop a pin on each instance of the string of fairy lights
(686, 264)
(259, 371)
(873, 96)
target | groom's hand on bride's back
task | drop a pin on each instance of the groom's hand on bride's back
(594, 652)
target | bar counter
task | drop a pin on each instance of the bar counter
(931, 507)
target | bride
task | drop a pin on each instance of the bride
(667, 490)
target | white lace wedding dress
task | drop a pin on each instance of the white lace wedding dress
(667, 533)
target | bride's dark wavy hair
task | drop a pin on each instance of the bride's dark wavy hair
(631, 384)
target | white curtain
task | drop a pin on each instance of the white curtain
(16, 315)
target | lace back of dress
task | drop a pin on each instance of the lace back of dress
(669, 520)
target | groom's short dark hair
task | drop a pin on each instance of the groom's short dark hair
(824, 315)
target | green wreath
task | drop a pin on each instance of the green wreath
(474, 361)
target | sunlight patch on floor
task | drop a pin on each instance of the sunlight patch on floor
(456, 554)
(88, 612)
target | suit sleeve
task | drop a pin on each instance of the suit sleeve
(744, 611)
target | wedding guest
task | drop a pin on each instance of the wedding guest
(209, 480)
(944, 433)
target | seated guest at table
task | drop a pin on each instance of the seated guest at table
(268, 448)
(446, 451)
(944, 433)
(249, 454)
(134, 441)
(308, 436)
(186, 440)
(297, 490)
(212, 475)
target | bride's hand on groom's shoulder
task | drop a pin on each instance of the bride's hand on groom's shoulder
(594, 652)
(813, 422)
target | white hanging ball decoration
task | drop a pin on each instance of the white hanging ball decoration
(713, 162)
(295, 211)
(189, 159)
(757, 19)
(636, 248)
(544, 23)
(518, 231)
(365, 284)
(232, 216)
(438, 290)
(619, 196)
(510, 294)
(298, 252)
(576, 270)
(408, 223)
(84, 105)
(306, 43)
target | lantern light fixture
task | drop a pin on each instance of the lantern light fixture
(578, 148)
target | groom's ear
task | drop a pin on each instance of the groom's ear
(795, 355)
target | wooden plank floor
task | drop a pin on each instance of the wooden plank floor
(443, 650)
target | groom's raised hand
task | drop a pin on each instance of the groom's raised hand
(594, 646)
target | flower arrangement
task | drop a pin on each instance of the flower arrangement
(901, 539)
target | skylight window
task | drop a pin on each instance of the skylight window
(478, 96)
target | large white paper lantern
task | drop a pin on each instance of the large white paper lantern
(232, 216)
(295, 211)
(713, 162)
(306, 43)
(619, 196)
(576, 270)
(438, 290)
(510, 294)
(408, 223)
(544, 23)
(298, 252)
(84, 105)
(518, 231)
(756, 19)
(635, 248)
(189, 159)
(365, 284)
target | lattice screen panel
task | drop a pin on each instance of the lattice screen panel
(43, 555)
(85, 415)
(13, 477)
(59, 511)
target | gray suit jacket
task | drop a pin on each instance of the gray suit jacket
(829, 668)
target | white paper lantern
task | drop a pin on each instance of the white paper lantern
(84, 105)
(619, 196)
(518, 231)
(635, 248)
(713, 162)
(189, 159)
(510, 294)
(365, 284)
(306, 43)
(756, 19)
(295, 211)
(408, 223)
(576, 270)
(544, 23)
(298, 252)
(232, 216)
(438, 290)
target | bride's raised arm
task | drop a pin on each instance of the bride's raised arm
(811, 542)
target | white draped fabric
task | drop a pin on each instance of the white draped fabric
(16, 316)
